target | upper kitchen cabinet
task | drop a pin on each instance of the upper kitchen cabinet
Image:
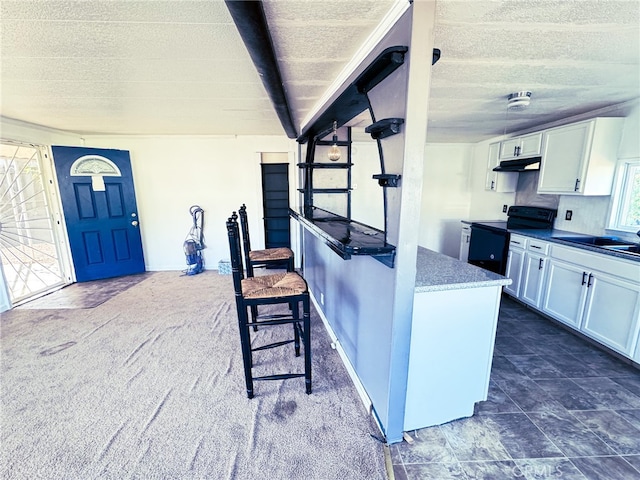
(580, 159)
(499, 181)
(521, 147)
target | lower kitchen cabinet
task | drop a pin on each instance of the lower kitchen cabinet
(583, 292)
(593, 293)
(564, 293)
(513, 270)
(515, 259)
(533, 272)
(611, 312)
(526, 267)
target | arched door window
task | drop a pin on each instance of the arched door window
(97, 168)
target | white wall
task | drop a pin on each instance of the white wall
(446, 196)
(367, 202)
(172, 173)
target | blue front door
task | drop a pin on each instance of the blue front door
(99, 204)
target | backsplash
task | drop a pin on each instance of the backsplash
(590, 215)
(526, 192)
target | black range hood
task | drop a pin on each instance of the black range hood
(519, 165)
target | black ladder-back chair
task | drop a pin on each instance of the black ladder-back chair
(269, 257)
(286, 288)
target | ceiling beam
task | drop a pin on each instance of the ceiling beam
(252, 25)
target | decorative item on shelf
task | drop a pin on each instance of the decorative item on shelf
(334, 152)
(387, 179)
(518, 100)
(384, 128)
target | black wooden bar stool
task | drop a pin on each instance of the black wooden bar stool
(286, 288)
(269, 257)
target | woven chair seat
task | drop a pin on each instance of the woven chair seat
(271, 254)
(287, 289)
(272, 286)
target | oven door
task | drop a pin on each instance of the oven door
(488, 248)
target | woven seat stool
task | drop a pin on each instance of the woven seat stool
(288, 289)
(268, 257)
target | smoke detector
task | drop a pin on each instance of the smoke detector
(518, 100)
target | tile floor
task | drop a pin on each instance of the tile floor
(558, 408)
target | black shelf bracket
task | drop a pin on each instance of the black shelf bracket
(353, 100)
(384, 128)
(387, 179)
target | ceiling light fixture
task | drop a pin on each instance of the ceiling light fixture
(518, 100)
(334, 152)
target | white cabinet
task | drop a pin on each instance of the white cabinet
(526, 267)
(564, 293)
(611, 312)
(499, 181)
(515, 259)
(533, 272)
(451, 353)
(525, 146)
(579, 159)
(596, 294)
(465, 239)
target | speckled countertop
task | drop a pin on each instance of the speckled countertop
(437, 272)
(555, 236)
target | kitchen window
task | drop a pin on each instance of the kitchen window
(625, 210)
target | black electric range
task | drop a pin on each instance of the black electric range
(489, 242)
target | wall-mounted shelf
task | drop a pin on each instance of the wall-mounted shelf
(384, 128)
(353, 101)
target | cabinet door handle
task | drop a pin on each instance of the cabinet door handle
(536, 246)
(516, 243)
(577, 185)
(540, 264)
(584, 274)
(590, 278)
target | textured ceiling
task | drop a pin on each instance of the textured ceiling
(180, 67)
(575, 56)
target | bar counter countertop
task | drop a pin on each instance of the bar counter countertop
(345, 237)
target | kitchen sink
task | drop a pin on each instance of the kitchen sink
(635, 249)
(608, 243)
(598, 241)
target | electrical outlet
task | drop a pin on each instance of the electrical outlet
(568, 215)
(504, 209)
